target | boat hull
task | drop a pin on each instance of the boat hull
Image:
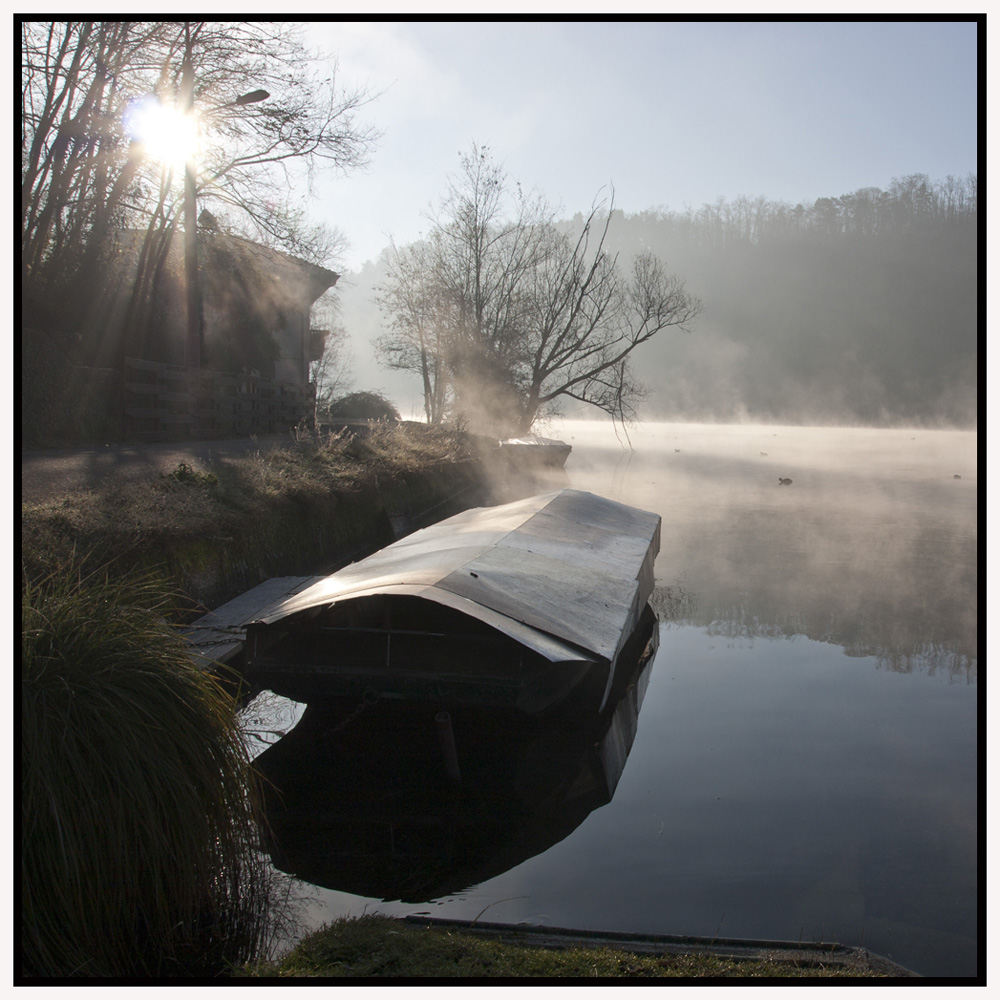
(530, 454)
(511, 606)
(365, 802)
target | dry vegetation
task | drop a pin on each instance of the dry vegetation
(219, 500)
(126, 742)
(139, 807)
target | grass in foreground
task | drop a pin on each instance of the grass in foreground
(139, 806)
(374, 946)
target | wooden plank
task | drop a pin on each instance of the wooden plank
(149, 366)
(218, 636)
(798, 953)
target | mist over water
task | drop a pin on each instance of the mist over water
(805, 762)
(807, 752)
(872, 545)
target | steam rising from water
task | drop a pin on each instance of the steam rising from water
(774, 785)
(873, 546)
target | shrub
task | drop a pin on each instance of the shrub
(363, 406)
(139, 806)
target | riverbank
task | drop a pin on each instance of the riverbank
(213, 529)
(125, 738)
(378, 947)
(46, 472)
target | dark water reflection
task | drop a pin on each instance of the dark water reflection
(805, 765)
(381, 803)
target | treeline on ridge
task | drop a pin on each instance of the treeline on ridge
(857, 309)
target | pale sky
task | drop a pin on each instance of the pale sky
(673, 114)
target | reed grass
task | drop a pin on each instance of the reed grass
(139, 805)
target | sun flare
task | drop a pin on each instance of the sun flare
(166, 133)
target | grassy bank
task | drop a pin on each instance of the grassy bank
(215, 530)
(380, 947)
(139, 807)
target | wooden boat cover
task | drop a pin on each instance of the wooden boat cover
(559, 572)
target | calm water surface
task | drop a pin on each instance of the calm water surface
(805, 761)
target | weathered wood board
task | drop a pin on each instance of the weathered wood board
(218, 636)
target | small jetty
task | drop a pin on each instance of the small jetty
(219, 636)
(508, 606)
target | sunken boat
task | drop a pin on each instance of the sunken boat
(512, 606)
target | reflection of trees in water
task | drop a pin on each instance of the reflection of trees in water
(873, 548)
(673, 605)
(267, 718)
(290, 902)
(906, 653)
(908, 639)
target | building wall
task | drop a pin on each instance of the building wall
(293, 365)
(248, 284)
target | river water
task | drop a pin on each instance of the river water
(804, 767)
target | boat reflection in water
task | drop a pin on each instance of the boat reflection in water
(417, 801)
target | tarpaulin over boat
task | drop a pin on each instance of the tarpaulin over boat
(532, 450)
(562, 573)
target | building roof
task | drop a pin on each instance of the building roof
(271, 275)
(282, 270)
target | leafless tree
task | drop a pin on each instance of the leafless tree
(419, 324)
(503, 315)
(586, 318)
(83, 176)
(333, 374)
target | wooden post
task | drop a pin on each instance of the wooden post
(446, 736)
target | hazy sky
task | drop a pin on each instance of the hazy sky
(671, 114)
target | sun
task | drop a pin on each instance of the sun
(165, 132)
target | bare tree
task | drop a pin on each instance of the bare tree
(419, 326)
(332, 374)
(83, 175)
(586, 318)
(503, 315)
(75, 168)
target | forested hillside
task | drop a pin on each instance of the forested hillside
(857, 309)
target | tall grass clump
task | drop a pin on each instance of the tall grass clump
(139, 806)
